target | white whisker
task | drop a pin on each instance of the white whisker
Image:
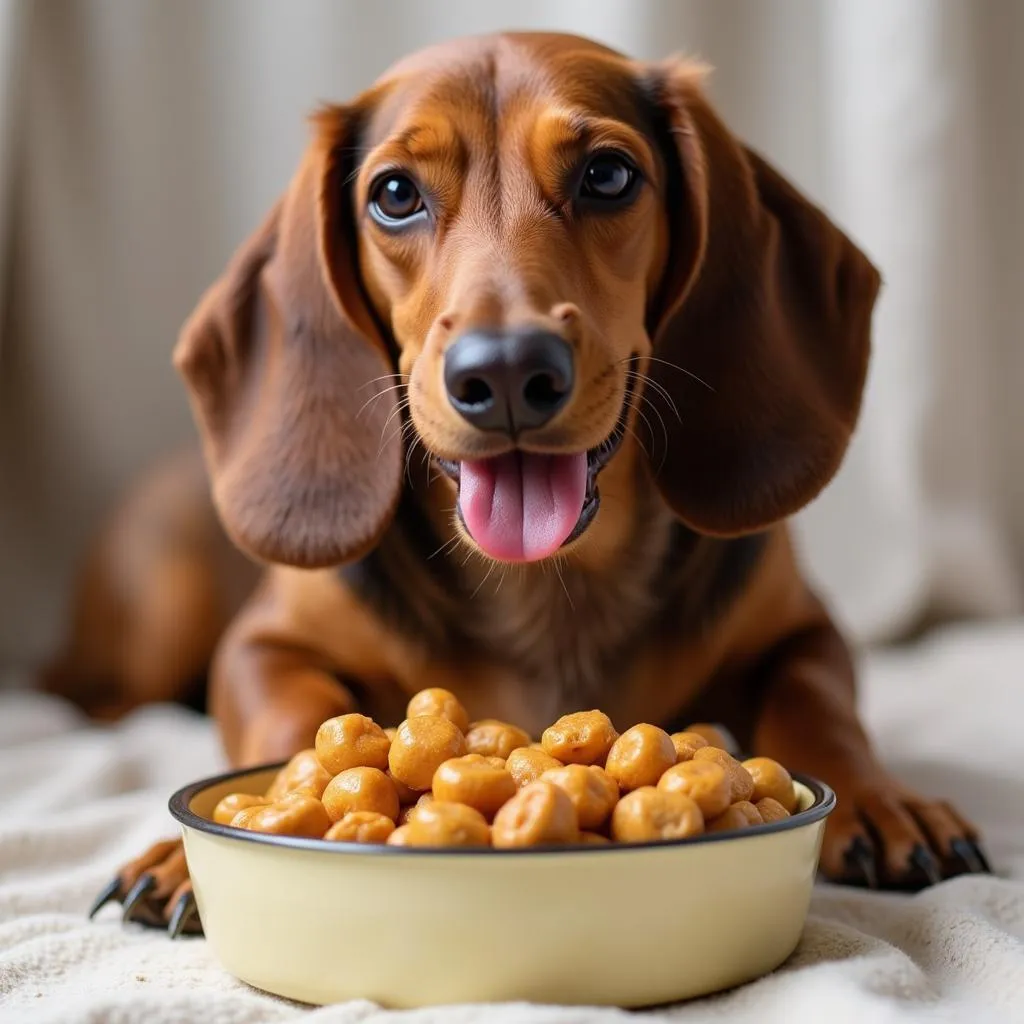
(377, 380)
(636, 437)
(376, 397)
(661, 421)
(681, 369)
(450, 543)
(561, 579)
(487, 576)
(397, 411)
(643, 416)
(398, 432)
(659, 388)
(408, 462)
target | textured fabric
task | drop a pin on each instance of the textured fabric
(76, 801)
(156, 134)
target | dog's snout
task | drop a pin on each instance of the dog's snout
(509, 381)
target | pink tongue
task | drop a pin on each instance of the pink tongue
(521, 507)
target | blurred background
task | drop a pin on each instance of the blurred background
(142, 140)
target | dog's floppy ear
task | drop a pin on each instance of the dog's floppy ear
(769, 305)
(287, 372)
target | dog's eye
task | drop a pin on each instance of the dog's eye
(395, 198)
(608, 176)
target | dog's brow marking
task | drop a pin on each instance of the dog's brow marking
(492, 115)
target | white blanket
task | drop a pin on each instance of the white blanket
(75, 801)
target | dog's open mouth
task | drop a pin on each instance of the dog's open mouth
(524, 506)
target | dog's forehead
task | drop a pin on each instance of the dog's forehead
(493, 78)
(497, 48)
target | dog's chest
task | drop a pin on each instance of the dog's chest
(565, 637)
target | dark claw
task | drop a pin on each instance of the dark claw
(970, 855)
(860, 864)
(982, 858)
(182, 915)
(922, 859)
(136, 894)
(109, 894)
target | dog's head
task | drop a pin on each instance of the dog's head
(530, 239)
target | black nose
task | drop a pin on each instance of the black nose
(508, 381)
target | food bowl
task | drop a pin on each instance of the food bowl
(621, 924)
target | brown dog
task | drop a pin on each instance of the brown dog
(515, 390)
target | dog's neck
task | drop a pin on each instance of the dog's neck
(565, 627)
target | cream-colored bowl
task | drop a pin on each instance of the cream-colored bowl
(619, 925)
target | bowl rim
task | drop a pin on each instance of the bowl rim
(823, 805)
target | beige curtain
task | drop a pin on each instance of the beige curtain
(12, 38)
(149, 137)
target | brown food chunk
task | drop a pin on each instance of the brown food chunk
(584, 737)
(351, 741)
(649, 814)
(739, 778)
(492, 738)
(437, 701)
(687, 744)
(295, 814)
(742, 814)
(245, 815)
(477, 781)
(771, 810)
(591, 789)
(640, 756)
(302, 773)
(407, 812)
(420, 745)
(540, 814)
(400, 837)
(227, 808)
(361, 827)
(527, 764)
(771, 780)
(443, 824)
(706, 783)
(360, 789)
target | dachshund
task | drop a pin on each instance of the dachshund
(513, 393)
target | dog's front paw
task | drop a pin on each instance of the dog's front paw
(881, 835)
(155, 890)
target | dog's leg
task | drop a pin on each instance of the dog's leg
(160, 584)
(881, 833)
